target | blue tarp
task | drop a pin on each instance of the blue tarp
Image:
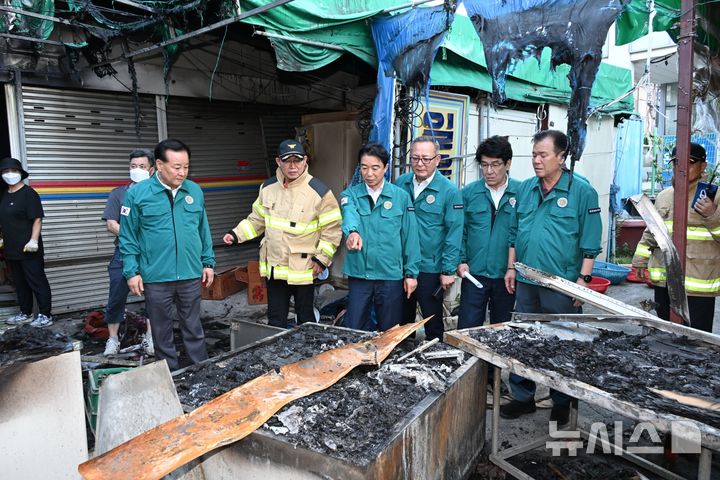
(406, 45)
(628, 161)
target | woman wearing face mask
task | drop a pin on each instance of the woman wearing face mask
(21, 216)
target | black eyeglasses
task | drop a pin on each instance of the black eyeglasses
(293, 160)
(423, 160)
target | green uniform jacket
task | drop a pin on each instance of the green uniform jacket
(487, 230)
(164, 241)
(390, 250)
(439, 214)
(554, 233)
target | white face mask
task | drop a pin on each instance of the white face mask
(11, 178)
(138, 175)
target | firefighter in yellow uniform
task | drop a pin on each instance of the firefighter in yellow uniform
(702, 264)
(301, 221)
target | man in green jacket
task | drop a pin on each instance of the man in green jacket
(557, 230)
(439, 213)
(167, 251)
(489, 213)
(382, 242)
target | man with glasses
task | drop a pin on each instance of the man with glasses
(301, 221)
(489, 210)
(702, 264)
(439, 213)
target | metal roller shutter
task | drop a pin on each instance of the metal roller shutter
(228, 161)
(77, 146)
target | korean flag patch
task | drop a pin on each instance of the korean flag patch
(343, 201)
(125, 211)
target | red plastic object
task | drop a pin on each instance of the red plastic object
(599, 284)
(95, 326)
(631, 277)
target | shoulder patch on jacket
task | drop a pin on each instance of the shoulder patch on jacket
(319, 187)
(269, 182)
(594, 210)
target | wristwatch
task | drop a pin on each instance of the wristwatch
(586, 278)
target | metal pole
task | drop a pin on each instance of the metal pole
(32, 39)
(17, 77)
(407, 5)
(686, 41)
(214, 26)
(64, 21)
(299, 40)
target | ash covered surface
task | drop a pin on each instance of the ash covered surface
(26, 344)
(201, 383)
(352, 420)
(623, 365)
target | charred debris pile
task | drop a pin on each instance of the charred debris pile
(29, 344)
(622, 364)
(352, 420)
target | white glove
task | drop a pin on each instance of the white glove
(31, 246)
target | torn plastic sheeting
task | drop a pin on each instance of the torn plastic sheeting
(455, 71)
(406, 45)
(574, 30)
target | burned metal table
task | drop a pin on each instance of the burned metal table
(584, 328)
(399, 430)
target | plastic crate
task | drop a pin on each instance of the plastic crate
(95, 379)
(611, 271)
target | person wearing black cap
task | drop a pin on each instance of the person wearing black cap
(21, 214)
(300, 218)
(702, 264)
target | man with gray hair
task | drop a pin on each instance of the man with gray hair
(142, 166)
(439, 212)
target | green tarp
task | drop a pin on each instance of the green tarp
(346, 24)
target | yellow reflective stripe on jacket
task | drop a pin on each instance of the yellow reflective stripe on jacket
(711, 285)
(248, 230)
(657, 273)
(694, 233)
(258, 207)
(643, 250)
(715, 231)
(285, 225)
(329, 217)
(281, 272)
(327, 247)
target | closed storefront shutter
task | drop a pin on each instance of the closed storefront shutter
(77, 148)
(228, 161)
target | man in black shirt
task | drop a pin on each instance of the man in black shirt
(21, 216)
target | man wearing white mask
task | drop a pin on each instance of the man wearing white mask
(21, 215)
(141, 168)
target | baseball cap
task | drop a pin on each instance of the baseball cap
(290, 148)
(697, 153)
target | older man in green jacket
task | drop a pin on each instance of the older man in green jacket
(557, 230)
(439, 213)
(167, 251)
